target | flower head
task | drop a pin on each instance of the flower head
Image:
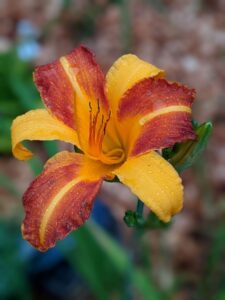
(118, 121)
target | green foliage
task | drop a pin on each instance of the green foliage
(134, 219)
(106, 266)
(213, 284)
(182, 156)
(18, 94)
(158, 5)
(13, 283)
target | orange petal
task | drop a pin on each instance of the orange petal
(164, 131)
(155, 114)
(155, 182)
(60, 199)
(91, 105)
(38, 125)
(56, 91)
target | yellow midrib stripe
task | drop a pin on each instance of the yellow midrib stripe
(52, 206)
(71, 73)
(173, 108)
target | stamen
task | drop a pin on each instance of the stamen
(96, 118)
(104, 130)
(90, 107)
(90, 124)
(100, 128)
(106, 122)
(98, 103)
(96, 138)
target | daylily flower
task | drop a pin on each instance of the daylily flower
(118, 122)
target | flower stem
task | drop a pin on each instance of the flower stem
(139, 208)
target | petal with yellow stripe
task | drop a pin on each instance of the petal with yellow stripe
(56, 91)
(155, 182)
(38, 125)
(91, 105)
(127, 71)
(155, 114)
(61, 198)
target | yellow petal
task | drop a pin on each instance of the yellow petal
(152, 179)
(38, 125)
(126, 72)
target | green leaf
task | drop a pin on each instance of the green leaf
(5, 144)
(13, 263)
(183, 156)
(35, 165)
(18, 93)
(106, 265)
(123, 264)
(51, 147)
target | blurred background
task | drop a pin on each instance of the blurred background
(105, 259)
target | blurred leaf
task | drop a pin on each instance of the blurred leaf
(66, 4)
(220, 295)
(17, 84)
(106, 265)
(5, 144)
(21, 83)
(218, 247)
(159, 5)
(212, 285)
(13, 282)
(122, 262)
(35, 165)
(9, 107)
(17, 94)
(51, 147)
(90, 260)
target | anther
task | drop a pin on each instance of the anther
(90, 107)
(106, 122)
(98, 103)
(100, 128)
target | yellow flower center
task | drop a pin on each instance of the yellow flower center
(97, 131)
